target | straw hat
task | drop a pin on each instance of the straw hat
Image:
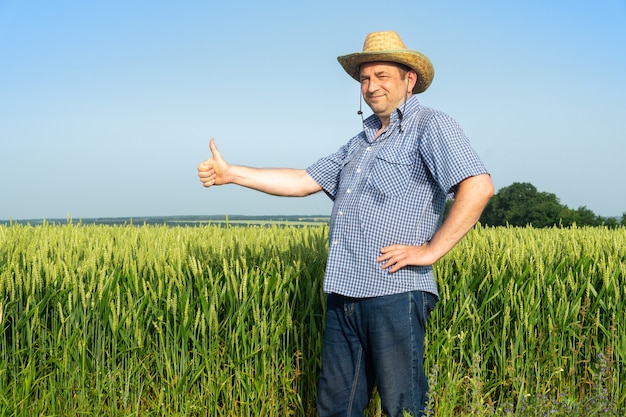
(388, 47)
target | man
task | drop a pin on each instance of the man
(389, 185)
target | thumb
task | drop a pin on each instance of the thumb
(216, 153)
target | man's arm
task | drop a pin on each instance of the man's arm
(277, 181)
(472, 196)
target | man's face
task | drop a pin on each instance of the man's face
(383, 88)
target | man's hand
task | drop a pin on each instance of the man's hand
(213, 170)
(396, 257)
(288, 182)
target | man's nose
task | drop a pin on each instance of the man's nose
(372, 85)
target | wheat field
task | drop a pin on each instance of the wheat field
(228, 321)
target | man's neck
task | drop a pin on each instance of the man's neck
(384, 121)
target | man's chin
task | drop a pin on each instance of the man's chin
(376, 107)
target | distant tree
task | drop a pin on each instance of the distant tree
(580, 217)
(520, 204)
(610, 222)
(447, 208)
(624, 218)
(585, 217)
(568, 217)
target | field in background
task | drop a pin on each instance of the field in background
(179, 221)
(227, 321)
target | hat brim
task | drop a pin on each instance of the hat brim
(412, 59)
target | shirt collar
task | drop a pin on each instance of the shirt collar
(372, 124)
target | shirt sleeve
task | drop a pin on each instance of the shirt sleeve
(327, 171)
(448, 154)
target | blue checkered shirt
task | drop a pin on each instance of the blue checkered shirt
(391, 190)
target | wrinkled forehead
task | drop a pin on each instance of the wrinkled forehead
(383, 65)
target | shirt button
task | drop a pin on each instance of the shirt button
(335, 242)
(348, 191)
(369, 148)
(358, 170)
(340, 213)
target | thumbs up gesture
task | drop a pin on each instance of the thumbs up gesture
(213, 170)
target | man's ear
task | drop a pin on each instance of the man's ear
(412, 80)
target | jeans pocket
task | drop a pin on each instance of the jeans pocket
(429, 301)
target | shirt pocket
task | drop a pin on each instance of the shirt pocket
(392, 171)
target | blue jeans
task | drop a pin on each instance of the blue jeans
(374, 341)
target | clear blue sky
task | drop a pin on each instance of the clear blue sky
(107, 107)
